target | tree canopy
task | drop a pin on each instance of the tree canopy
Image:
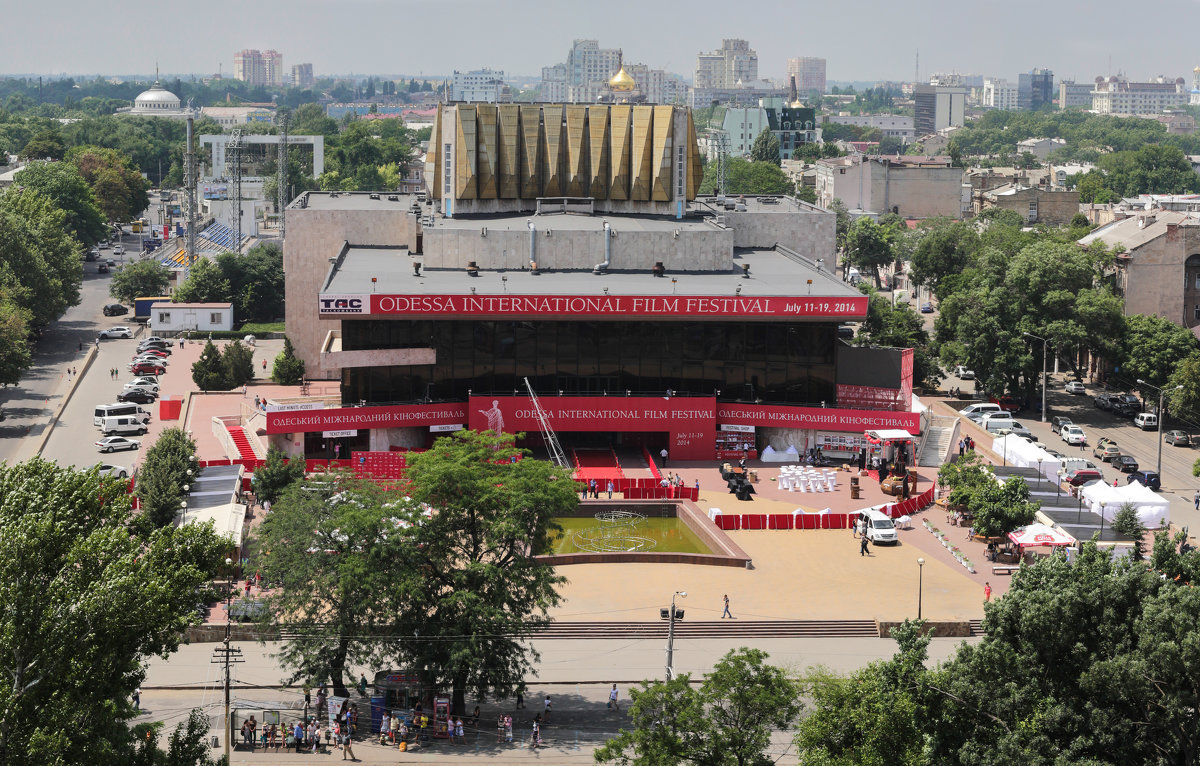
(746, 177)
(119, 189)
(86, 601)
(67, 190)
(142, 279)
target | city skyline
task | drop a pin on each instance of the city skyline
(404, 37)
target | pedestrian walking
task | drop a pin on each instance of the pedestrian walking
(663, 454)
(726, 613)
(547, 711)
(610, 489)
(137, 698)
(962, 447)
(508, 728)
(264, 365)
(862, 546)
(499, 728)
(987, 592)
(1196, 498)
(520, 699)
(612, 698)
(347, 745)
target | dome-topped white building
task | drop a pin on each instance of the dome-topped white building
(157, 102)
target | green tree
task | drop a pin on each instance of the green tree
(205, 284)
(1127, 523)
(728, 719)
(868, 246)
(170, 465)
(806, 194)
(745, 177)
(1000, 509)
(208, 373)
(16, 355)
(119, 189)
(472, 589)
(276, 474)
(61, 183)
(765, 148)
(46, 145)
(943, 250)
(1152, 347)
(1183, 387)
(351, 582)
(87, 604)
(40, 266)
(288, 369)
(238, 361)
(143, 279)
(874, 716)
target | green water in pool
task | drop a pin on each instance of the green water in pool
(620, 534)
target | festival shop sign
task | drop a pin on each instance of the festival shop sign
(817, 418)
(346, 418)
(606, 306)
(690, 422)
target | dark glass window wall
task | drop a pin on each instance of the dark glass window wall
(748, 361)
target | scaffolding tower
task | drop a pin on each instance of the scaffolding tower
(233, 155)
(282, 193)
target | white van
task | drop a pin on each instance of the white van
(1075, 463)
(1147, 421)
(997, 421)
(103, 411)
(879, 528)
(123, 425)
(979, 409)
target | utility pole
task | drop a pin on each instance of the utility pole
(234, 158)
(282, 193)
(227, 655)
(190, 182)
(671, 633)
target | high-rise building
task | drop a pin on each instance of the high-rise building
(1116, 95)
(936, 108)
(1035, 88)
(732, 63)
(999, 94)
(809, 73)
(258, 67)
(302, 76)
(485, 85)
(1074, 94)
(584, 76)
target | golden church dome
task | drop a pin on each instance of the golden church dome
(621, 81)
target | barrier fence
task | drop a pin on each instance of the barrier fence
(643, 489)
(801, 520)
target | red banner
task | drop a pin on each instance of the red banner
(344, 418)
(820, 418)
(603, 306)
(690, 421)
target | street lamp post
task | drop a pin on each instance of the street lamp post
(228, 627)
(1161, 417)
(1043, 340)
(671, 635)
(920, 584)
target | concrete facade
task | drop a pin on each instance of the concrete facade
(318, 228)
(1116, 95)
(1035, 205)
(1159, 272)
(913, 187)
(936, 108)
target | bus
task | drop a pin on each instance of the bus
(136, 226)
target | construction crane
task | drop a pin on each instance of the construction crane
(556, 453)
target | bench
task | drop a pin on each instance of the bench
(1005, 568)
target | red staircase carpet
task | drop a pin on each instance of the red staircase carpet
(238, 435)
(598, 464)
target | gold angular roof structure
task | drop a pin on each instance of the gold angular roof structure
(621, 82)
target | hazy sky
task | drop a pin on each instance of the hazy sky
(863, 40)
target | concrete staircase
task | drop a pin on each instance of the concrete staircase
(937, 442)
(237, 435)
(714, 629)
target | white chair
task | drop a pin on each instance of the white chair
(713, 513)
(830, 484)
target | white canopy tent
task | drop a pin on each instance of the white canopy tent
(1035, 535)
(1154, 511)
(772, 455)
(1022, 453)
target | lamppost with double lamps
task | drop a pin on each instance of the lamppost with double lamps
(1161, 417)
(920, 584)
(670, 618)
(1043, 340)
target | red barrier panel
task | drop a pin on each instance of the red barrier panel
(779, 521)
(728, 522)
(839, 521)
(754, 521)
(808, 521)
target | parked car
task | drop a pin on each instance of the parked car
(1057, 423)
(115, 310)
(1021, 430)
(926, 308)
(161, 353)
(102, 268)
(1081, 476)
(1126, 409)
(147, 368)
(116, 471)
(116, 332)
(962, 373)
(1009, 403)
(1075, 387)
(138, 395)
(248, 610)
(154, 339)
(152, 358)
(1147, 421)
(1106, 452)
(1073, 434)
(118, 250)
(114, 443)
(1149, 479)
(1129, 399)
(1124, 463)
(140, 380)
(1178, 438)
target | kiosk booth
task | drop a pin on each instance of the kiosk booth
(441, 718)
(398, 692)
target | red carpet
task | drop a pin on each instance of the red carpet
(597, 464)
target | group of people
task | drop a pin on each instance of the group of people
(593, 488)
(965, 445)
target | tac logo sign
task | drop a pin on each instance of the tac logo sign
(344, 304)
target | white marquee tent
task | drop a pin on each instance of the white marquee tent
(1153, 510)
(1022, 453)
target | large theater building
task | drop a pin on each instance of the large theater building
(566, 246)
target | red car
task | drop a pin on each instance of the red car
(145, 368)
(1083, 476)
(1009, 403)
(154, 352)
